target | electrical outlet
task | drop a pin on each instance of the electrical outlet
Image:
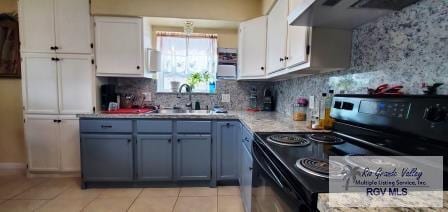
(147, 96)
(225, 98)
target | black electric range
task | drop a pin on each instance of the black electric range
(297, 163)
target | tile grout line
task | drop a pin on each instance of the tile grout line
(135, 199)
(37, 184)
(175, 202)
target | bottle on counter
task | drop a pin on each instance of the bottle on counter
(328, 124)
(321, 107)
(300, 109)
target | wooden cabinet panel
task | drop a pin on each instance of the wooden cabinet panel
(193, 157)
(75, 84)
(252, 48)
(42, 138)
(72, 26)
(154, 157)
(69, 142)
(119, 46)
(228, 140)
(276, 36)
(40, 83)
(37, 25)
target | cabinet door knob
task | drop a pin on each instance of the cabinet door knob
(250, 168)
(281, 59)
(56, 47)
(178, 140)
(228, 124)
(169, 140)
(138, 67)
(286, 57)
(262, 68)
(129, 140)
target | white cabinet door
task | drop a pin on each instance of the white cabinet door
(277, 33)
(42, 134)
(297, 45)
(40, 83)
(36, 25)
(119, 46)
(72, 21)
(69, 142)
(75, 84)
(252, 48)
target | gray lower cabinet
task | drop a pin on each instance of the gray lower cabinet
(246, 177)
(228, 140)
(193, 157)
(107, 157)
(154, 157)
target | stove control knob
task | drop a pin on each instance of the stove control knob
(436, 114)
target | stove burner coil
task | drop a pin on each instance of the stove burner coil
(288, 140)
(325, 138)
(321, 168)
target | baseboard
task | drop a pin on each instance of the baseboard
(12, 168)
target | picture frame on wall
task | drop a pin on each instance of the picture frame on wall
(9, 46)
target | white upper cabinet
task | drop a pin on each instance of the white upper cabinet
(75, 84)
(61, 26)
(37, 25)
(40, 83)
(297, 46)
(119, 46)
(57, 84)
(72, 20)
(277, 35)
(252, 49)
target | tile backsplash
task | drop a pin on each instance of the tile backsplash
(239, 92)
(409, 47)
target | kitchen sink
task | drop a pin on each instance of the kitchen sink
(181, 111)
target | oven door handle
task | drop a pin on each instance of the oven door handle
(268, 170)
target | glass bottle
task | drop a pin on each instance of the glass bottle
(321, 107)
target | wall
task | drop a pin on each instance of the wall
(227, 38)
(408, 47)
(266, 6)
(234, 10)
(12, 145)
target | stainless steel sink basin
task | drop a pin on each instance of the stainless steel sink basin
(181, 111)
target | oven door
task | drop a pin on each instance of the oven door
(271, 191)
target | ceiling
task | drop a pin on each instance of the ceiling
(197, 23)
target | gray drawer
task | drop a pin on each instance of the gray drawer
(154, 126)
(194, 127)
(105, 126)
(247, 138)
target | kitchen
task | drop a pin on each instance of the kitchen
(216, 106)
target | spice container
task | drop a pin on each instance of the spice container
(300, 109)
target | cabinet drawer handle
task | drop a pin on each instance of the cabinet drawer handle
(106, 126)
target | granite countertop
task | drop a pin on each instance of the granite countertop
(324, 199)
(255, 121)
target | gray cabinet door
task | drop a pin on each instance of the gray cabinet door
(246, 178)
(193, 158)
(228, 138)
(106, 157)
(154, 157)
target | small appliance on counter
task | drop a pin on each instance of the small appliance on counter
(108, 95)
(268, 100)
(253, 100)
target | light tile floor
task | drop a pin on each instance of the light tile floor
(18, 193)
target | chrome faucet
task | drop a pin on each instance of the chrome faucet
(188, 88)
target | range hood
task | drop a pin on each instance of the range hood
(342, 14)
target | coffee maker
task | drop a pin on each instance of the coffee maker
(268, 100)
(108, 95)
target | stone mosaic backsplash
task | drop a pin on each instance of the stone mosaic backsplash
(239, 93)
(409, 47)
